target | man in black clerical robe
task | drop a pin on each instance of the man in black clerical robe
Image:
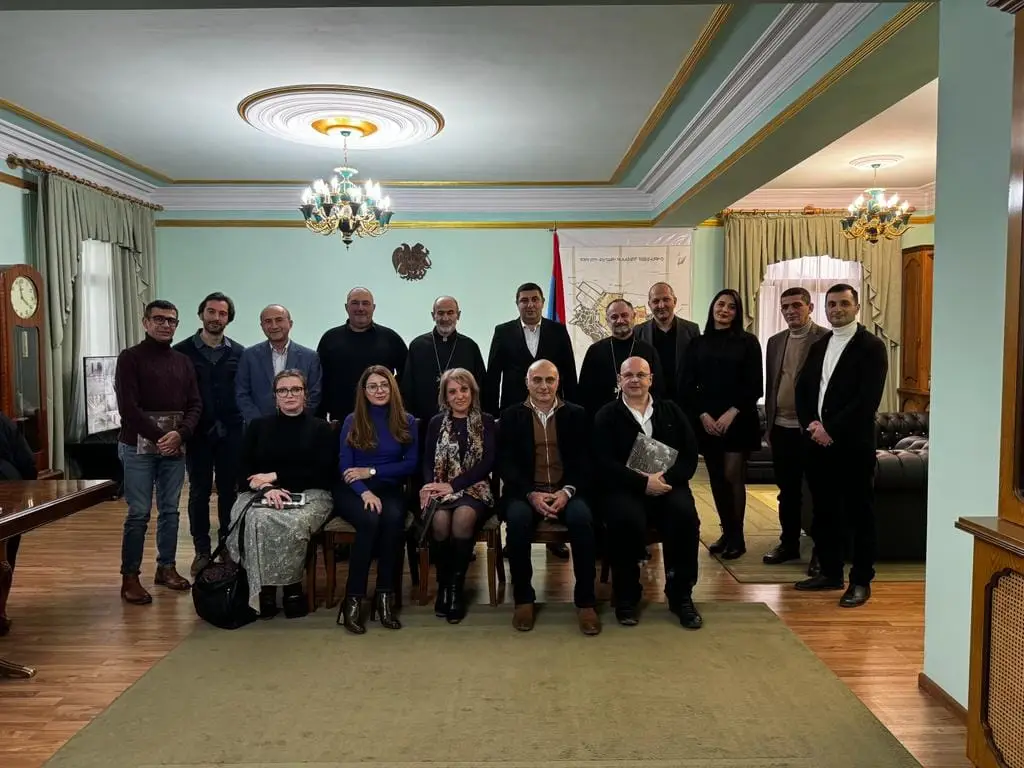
(431, 354)
(599, 374)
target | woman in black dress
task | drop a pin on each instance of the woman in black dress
(459, 455)
(723, 381)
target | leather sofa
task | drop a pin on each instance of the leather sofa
(901, 483)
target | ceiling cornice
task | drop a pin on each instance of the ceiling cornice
(795, 41)
(796, 199)
(1010, 6)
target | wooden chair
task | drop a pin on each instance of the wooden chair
(337, 531)
(652, 538)
(490, 534)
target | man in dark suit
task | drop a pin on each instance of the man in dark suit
(787, 351)
(669, 334)
(544, 465)
(633, 499)
(517, 344)
(837, 396)
(260, 363)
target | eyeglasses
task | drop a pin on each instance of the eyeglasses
(383, 387)
(637, 376)
(164, 320)
(282, 391)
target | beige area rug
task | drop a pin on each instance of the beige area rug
(744, 692)
(761, 530)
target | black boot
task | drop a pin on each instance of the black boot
(461, 549)
(443, 565)
(294, 602)
(350, 615)
(384, 610)
(444, 600)
(268, 602)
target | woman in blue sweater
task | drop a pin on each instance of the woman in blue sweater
(378, 454)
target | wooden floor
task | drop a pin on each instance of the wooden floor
(89, 646)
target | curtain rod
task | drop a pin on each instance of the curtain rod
(13, 161)
(808, 210)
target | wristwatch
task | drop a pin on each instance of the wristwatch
(373, 471)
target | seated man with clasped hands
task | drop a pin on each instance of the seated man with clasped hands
(634, 499)
(543, 460)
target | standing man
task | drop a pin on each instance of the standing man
(634, 499)
(216, 445)
(431, 354)
(669, 334)
(599, 374)
(347, 350)
(519, 343)
(261, 363)
(158, 399)
(787, 351)
(837, 396)
(544, 462)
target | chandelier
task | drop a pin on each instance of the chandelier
(873, 216)
(341, 205)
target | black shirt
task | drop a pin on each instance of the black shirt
(345, 354)
(302, 450)
(665, 345)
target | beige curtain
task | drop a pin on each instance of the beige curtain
(69, 214)
(755, 240)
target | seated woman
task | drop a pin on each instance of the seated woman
(459, 455)
(289, 453)
(378, 453)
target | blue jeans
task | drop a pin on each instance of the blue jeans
(141, 473)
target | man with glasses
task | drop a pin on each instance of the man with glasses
(645, 454)
(216, 447)
(158, 399)
(261, 362)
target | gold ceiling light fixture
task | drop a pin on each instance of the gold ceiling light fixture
(873, 215)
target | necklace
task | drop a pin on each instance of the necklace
(437, 357)
(615, 364)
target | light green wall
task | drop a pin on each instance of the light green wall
(708, 269)
(975, 79)
(16, 217)
(311, 275)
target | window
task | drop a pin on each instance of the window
(99, 339)
(815, 273)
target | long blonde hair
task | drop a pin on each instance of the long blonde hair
(363, 436)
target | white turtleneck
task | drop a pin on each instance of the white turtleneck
(836, 344)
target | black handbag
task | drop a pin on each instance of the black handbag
(220, 591)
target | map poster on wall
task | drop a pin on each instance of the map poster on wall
(599, 266)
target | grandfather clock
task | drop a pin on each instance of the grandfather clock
(22, 356)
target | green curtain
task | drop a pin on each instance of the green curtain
(69, 213)
(755, 240)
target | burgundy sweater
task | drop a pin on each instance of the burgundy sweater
(153, 377)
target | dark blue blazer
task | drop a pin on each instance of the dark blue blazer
(255, 378)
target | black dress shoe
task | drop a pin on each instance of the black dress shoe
(855, 595)
(561, 551)
(734, 550)
(719, 545)
(350, 615)
(780, 553)
(689, 616)
(295, 606)
(814, 567)
(443, 601)
(627, 615)
(819, 584)
(268, 602)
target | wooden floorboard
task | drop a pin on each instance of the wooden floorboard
(88, 646)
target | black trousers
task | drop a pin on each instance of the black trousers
(206, 457)
(381, 533)
(788, 448)
(520, 522)
(842, 483)
(674, 517)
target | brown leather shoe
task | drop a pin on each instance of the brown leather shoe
(524, 616)
(133, 592)
(167, 576)
(590, 623)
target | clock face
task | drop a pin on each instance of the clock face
(24, 298)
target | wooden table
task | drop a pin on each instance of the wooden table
(29, 504)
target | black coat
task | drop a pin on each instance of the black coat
(615, 431)
(516, 449)
(854, 390)
(509, 359)
(599, 372)
(216, 383)
(425, 364)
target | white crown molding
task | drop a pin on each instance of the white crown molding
(421, 200)
(28, 145)
(922, 198)
(795, 41)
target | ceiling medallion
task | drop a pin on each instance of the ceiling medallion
(872, 215)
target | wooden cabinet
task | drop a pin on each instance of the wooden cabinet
(916, 331)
